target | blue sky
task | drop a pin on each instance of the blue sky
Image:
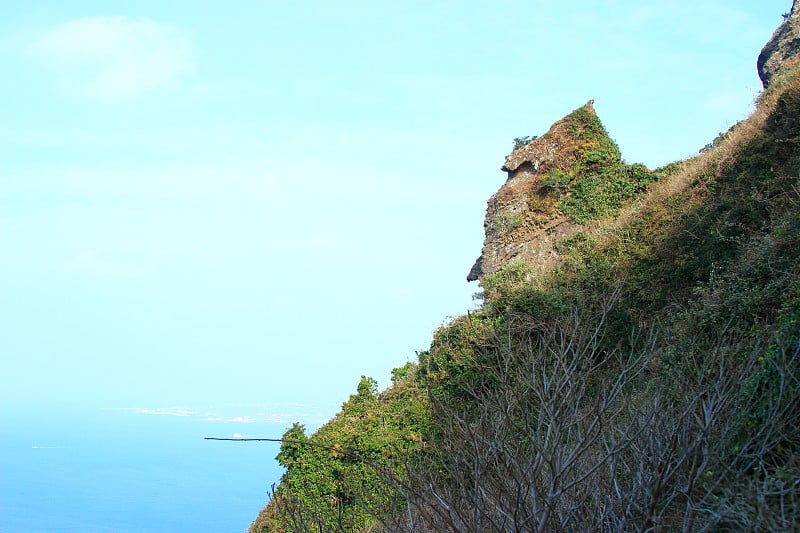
(256, 203)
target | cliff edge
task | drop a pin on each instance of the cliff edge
(556, 184)
(783, 48)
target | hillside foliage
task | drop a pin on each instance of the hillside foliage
(650, 382)
(597, 182)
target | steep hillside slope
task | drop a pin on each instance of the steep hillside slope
(648, 379)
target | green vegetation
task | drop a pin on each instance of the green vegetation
(336, 479)
(507, 222)
(651, 381)
(598, 182)
(519, 142)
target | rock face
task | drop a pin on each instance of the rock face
(783, 49)
(523, 219)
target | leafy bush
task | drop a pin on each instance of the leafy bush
(519, 142)
(344, 475)
(598, 183)
(556, 179)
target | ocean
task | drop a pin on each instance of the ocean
(133, 470)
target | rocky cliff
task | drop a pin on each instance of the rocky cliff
(557, 183)
(573, 174)
(783, 49)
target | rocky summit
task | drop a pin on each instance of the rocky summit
(556, 185)
(520, 222)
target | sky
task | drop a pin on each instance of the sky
(248, 205)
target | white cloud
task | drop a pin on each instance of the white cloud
(114, 58)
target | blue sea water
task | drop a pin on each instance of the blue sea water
(123, 471)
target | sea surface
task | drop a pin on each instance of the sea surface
(133, 470)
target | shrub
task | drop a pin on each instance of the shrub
(519, 142)
(506, 222)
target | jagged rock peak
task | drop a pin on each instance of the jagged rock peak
(783, 48)
(523, 218)
(532, 151)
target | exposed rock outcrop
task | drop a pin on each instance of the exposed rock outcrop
(783, 49)
(522, 219)
(557, 184)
